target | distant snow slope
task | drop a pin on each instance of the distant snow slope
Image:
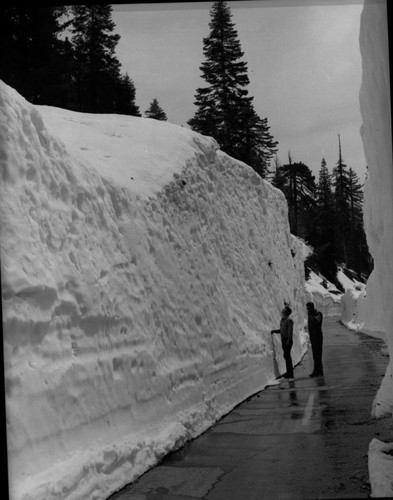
(325, 296)
(142, 272)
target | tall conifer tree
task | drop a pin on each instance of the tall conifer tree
(224, 109)
(276, 176)
(341, 191)
(98, 69)
(323, 238)
(124, 98)
(325, 204)
(299, 189)
(359, 258)
(34, 60)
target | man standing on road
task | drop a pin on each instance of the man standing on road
(286, 331)
(316, 338)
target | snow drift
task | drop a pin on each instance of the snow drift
(378, 215)
(142, 272)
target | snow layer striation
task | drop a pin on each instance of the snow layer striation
(142, 271)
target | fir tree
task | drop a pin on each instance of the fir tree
(323, 237)
(155, 111)
(325, 205)
(277, 178)
(341, 191)
(324, 189)
(124, 101)
(255, 146)
(98, 70)
(355, 197)
(299, 189)
(359, 258)
(224, 109)
(33, 58)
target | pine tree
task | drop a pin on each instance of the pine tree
(155, 111)
(299, 189)
(98, 70)
(255, 146)
(359, 258)
(277, 178)
(124, 100)
(355, 197)
(341, 193)
(325, 204)
(67, 98)
(324, 189)
(33, 58)
(224, 109)
(323, 238)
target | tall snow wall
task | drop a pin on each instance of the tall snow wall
(131, 323)
(378, 209)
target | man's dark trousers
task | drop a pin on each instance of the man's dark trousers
(316, 346)
(287, 356)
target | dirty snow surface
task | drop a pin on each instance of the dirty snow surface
(142, 272)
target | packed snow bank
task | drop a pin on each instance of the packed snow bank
(352, 301)
(351, 315)
(358, 314)
(378, 209)
(380, 465)
(325, 295)
(142, 272)
(378, 213)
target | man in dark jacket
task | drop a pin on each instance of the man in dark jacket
(286, 332)
(315, 319)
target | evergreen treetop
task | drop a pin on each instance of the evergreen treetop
(324, 187)
(224, 109)
(124, 97)
(155, 111)
(95, 44)
(33, 58)
(340, 175)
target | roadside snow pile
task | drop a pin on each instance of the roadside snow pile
(380, 464)
(351, 300)
(142, 272)
(377, 141)
(358, 312)
(325, 295)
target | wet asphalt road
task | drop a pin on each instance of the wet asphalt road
(306, 439)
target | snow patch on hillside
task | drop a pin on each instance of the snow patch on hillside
(325, 296)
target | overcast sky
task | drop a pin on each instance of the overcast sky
(303, 61)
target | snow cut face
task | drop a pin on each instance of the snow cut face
(378, 212)
(142, 272)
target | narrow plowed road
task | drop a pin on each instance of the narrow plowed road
(306, 439)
